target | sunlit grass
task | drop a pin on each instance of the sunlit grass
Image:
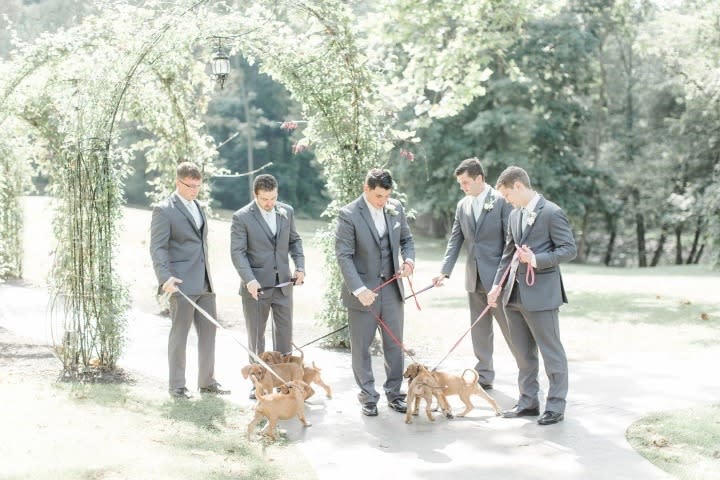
(641, 309)
(684, 443)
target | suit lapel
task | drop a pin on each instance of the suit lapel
(365, 214)
(261, 221)
(180, 205)
(483, 212)
(537, 211)
(468, 216)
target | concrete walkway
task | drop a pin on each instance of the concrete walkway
(605, 398)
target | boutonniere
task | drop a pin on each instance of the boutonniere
(489, 202)
(391, 210)
(531, 218)
(281, 211)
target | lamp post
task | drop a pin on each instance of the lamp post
(220, 64)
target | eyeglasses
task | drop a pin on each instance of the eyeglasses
(193, 187)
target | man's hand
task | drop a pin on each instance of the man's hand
(406, 270)
(169, 285)
(253, 287)
(367, 297)
(299, 278)
(493, 295)
(438, 281)
(525, 255)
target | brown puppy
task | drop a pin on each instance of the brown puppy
(283, 405)
(312, 375)
(458, 385)
(273, 357)
(423, 385)
(455, 385)
(268, 381)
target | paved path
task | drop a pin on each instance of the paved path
(605, 398)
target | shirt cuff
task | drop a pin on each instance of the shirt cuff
(253, 282)
(358, 291)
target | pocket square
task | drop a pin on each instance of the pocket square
(397, 225)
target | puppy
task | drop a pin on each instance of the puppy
(312, 375)
(458, 385)
(283, 405)
(423, 385)
(454, 385)
(274, 357)
(266, 380)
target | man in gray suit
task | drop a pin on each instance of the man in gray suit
(480, 223)
(179, 251)
(372, 232)
(540, 233)
(262, 240)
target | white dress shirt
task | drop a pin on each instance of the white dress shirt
(193, 209)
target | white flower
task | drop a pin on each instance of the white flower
(489, 203)
(281, 211)
(391, 210)
(531, 218)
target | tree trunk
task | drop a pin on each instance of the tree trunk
(696, 240)
(640, 229)
(581, 254)
(611, 240)
(249, 134)
(678, 245)
(658, 250)
(699, 254)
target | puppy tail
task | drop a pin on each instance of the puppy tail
(475, 376)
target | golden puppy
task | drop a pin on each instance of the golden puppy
(312, 375)
(268, 381)
(274, 357)
(283, 405)
(454, 385)
(423, 385)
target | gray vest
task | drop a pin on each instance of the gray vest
(386, 256)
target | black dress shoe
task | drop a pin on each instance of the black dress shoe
(550, 418)
(369, 410)
(521, 412)
(181, 393)
(398, 405)
(214, 389)
(487, 386)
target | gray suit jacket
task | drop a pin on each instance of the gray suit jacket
(484, 240)
(357, 247)
(178, 248)
(258, 254)
(551, 240)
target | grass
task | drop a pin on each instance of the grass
(684, 443)
(208, 429)
(641, 309)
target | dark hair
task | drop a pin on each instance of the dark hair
(472, 167)
(513, 174)
(188, 170)
(264, 182)
(377, 177)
